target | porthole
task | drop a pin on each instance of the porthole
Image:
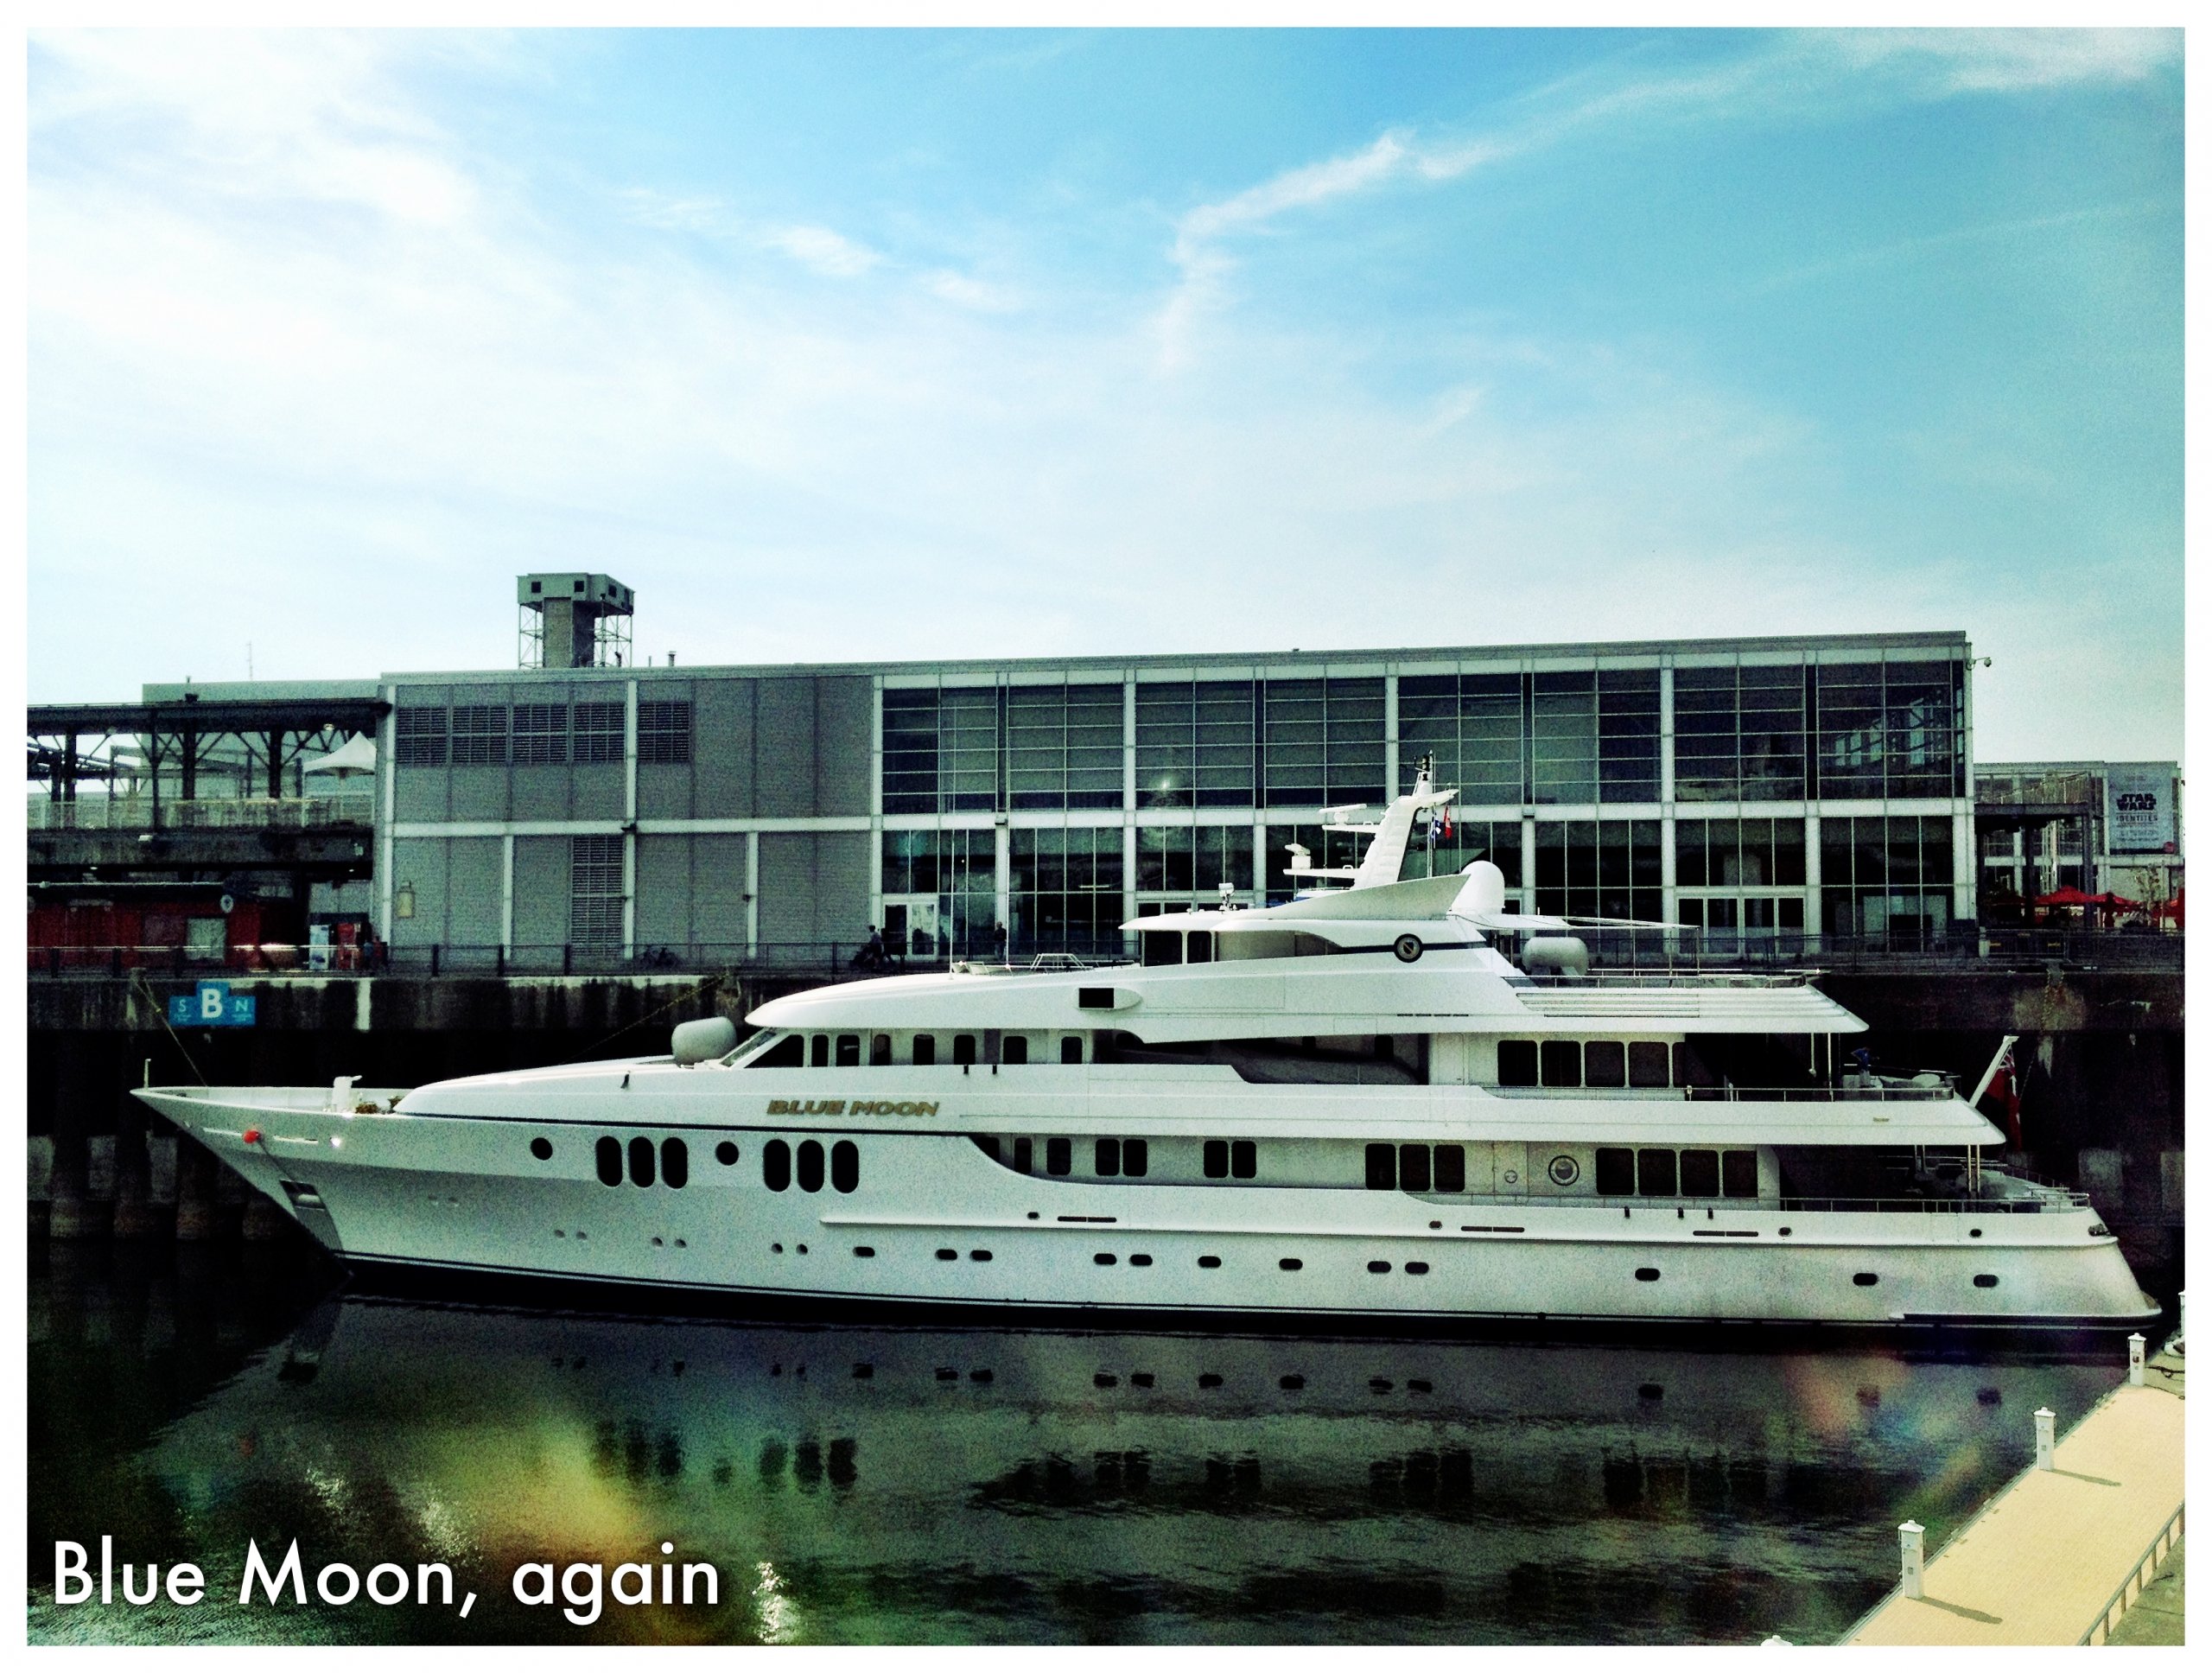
(1211, 1379)
(1564, 1170)
(1139, 1259)
(1985, 1280)
(1974, 1231)
(948, 1254)
(1291, 1263)
(979, 1254)
(726, 1154)
(1864, 1279)
(1291, 1383)
(1378, 1266)
(1647, 1275)
(1102, 1260)
(641, 1161)
(1208, 1262)
(1417, 1267)
(541, 1148)
(863, 1252)
(845, 1165)
(1105, 1379)
(1408, 947)
(608, 1152)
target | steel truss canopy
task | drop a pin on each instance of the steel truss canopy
(178, 731)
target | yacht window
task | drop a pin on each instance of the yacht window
(925, 1050)
(1216, 1158)
(849, 1051)
(1647, 1063)
(1616, 1172)
(788, 1052)
(674, 1163)
(641, 1161)
(1024, 1157)
(1201, 947)
(1058, 1156)
(819, 1056)
(1451, 1169)
(809, 1166)
(1161, 946)
(1135, 1158)
(1412, 1167)
(845, 1165)
(776, 1165)
(1243, 1159)
(726, 1153)
(1382, 1167)
(610, 1162)
(1739, 1172)
(1071, 1048)
(1655, 1173)
(963, 1048)
(1605, 1063)
(1681, 1052)
(1562, 1062)
(878, 1050)
(1517, 1063)
(1108, 1157)
(1701, 1173)
(1015, 1049)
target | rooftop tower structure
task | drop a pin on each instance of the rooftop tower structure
(573, 620)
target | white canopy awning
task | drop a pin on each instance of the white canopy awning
(356, 756)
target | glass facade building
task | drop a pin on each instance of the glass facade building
(1813, 786)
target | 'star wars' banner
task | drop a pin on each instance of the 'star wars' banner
(2139, 809)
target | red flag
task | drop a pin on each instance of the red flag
(2005, 1089)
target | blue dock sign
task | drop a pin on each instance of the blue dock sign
(211, 1005)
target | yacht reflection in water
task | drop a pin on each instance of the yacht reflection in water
(887, 1484)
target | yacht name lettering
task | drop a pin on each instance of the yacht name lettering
(842, 1107)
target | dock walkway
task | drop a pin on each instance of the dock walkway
(2047, 1555)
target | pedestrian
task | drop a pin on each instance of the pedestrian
(998, 942)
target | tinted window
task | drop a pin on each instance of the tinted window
(1605, 1063)
(776, 1165)
(1024, 1155)
(1562, 1062)
(849, 1051)
(1517, 1063)
(1382, 1167)
(1135, 1158)
(1201, 947)
(609, 1154)
(1161, 946)
(1243, 1159)
(809, 1166)
(1107, 1157)
(1739, 1172)
(1216, 1158)
(674, 1163)
(1015, 1050)
(963, 1048)
(818, 1052)
(1615, 1172)
(788, 1052)
(641, 1161)
(1057, 1156)
(1655, 1173)
(1647, 1063)
(924, 1049)
(878, 1050)
(1450, 1168)
(1412, 1167)
(1071, 1048)
(845, 1165)
(1701, 1173)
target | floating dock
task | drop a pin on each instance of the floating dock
(2057, 1556)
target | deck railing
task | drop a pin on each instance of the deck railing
(203, 813)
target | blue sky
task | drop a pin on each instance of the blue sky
(855, 345)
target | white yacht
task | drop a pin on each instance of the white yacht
(1353, 1105)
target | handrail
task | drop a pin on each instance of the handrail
(2153, 1555)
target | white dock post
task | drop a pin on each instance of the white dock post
(2135, 1361)
(2046, 1438)
(1910, 1535)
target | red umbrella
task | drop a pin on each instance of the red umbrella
(2068, 896)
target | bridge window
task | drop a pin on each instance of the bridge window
(776, 1165)
(1517, 1063)
(1412, 1167)
(1243, 1159)
(1451, 1169)
(1161, 946)
(963, 1048)
(788, 1052)
(1739, 1172)
(610, 1155)
(1382, 1167)
(809, 1166)
(1701, 1173)
(1200, 947)
(1015, 1049)
(925, 1050)
(1562, 1062)
(674, 1163)
(1616, 1172)
(849, 1051)
(1647, 1063)
(878, 1050)
(1605, 1063)
(1655, 1173)
(1071, 1048)
(1059, 1156)
(641, 1161)
(845, 1165)
(1216, 1158)
(818, 1055)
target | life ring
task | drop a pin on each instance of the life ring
(1408, 947)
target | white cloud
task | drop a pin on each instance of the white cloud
(825, 251)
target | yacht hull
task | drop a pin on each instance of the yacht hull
(933, 1222)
